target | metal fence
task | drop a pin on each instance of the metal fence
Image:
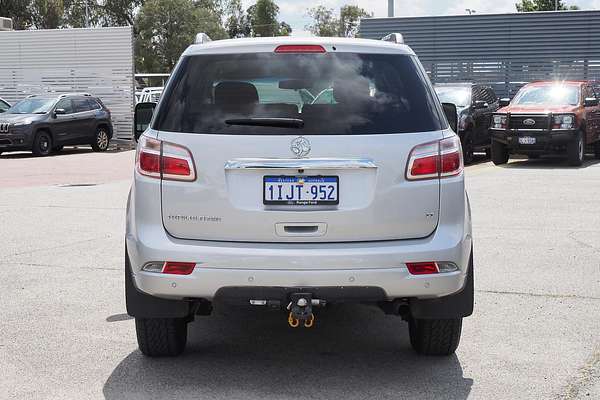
(96, 60)
(504, 50)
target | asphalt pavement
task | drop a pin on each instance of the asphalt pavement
(64, 333)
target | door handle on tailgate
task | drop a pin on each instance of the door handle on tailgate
(300, 229)
(300, 163)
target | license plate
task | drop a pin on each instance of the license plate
(300, 190)
(526, 140)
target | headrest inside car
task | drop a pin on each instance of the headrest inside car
(351, 91)
(235, 93)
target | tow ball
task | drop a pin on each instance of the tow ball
(300, 308)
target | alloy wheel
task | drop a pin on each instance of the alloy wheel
(102, 139)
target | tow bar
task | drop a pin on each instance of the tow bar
(300, 308)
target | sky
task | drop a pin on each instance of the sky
(294, 11)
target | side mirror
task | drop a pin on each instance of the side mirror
(451, 115)
(60, 111)
(504, 102)
(479, 104)
(142, 117)
(591, 102)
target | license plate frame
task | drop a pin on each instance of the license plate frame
(527, 140)
(295, 179)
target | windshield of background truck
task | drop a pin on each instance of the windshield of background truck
(548, 95)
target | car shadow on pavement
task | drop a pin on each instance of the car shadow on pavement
(548, 163)
(67, 151)
(353, 352)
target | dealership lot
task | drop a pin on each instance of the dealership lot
(64, 332)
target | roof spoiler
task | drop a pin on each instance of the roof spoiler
(202, 38)
(394, 38)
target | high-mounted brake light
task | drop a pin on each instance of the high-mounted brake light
(163, 160)
(300, 48)
(437, 159)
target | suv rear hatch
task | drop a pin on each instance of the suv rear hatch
(299, 147)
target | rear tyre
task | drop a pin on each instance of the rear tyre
(596, 150)
(435, 337)
(161, 337)
(101, 139)
(488, 153)
(575, 150)
(499, 153)
(42, 144)
(467, 148)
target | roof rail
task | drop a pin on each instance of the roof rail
(74, 94)
(394, 38)
(202, 38)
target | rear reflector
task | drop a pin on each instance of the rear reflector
(435, 160)
(300, 48)
(178, 268)
(423, 268)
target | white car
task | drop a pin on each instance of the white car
(245, 195)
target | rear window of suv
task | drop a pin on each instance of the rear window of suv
(331, 93)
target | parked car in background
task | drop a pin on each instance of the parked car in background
(3, 105)
(548, 118)
(475, 105)
(46, 123)
(240, 196)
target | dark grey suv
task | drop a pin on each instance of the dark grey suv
(46, 123)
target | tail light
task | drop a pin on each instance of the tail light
(437, 159)
(163, 160)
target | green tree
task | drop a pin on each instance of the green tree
(47, 14)
(19, 11)
(325, 23)
(350, 19)
(165, 29)
(74, 13)
(236, 21)
(120, 12)
(542, 5)
(262, 17)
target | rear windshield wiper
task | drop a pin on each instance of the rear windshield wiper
(275, 122)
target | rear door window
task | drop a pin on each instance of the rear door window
(81, 105)
(332, 94)
(93, 104)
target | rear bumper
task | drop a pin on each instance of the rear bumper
(546, 141)
(360, 264)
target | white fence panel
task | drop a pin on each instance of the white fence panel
(98, 61)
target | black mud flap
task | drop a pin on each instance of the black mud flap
(142, 305)
(454, 306)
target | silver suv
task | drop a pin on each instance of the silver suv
(293, 173)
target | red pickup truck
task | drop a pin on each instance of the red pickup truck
(548, 118)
